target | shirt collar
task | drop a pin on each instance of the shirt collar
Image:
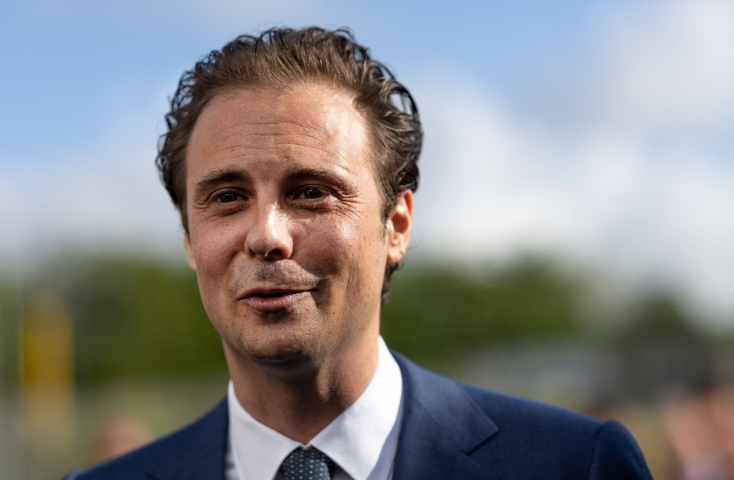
(363, 435)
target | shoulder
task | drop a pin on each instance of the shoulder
(559, 442)
(520, 437)
(561, 432)
(519, 416)
(199, 448)
(509, 414)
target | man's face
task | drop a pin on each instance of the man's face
(285, 228)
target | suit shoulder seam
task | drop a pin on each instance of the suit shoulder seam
(594, 449)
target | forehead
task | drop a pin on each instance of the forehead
(296, 125)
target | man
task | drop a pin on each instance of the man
(292, 160)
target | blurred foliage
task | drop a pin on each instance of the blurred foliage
(136, 317)
(658, 317)
(9, 312)
(435, 310)
(9, 300)
(662, 349)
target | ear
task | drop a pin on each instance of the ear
(189, 250)
(398, 227)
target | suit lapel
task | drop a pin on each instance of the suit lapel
(441, 426)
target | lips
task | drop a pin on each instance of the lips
(273, 299)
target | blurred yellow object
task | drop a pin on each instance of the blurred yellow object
(47, 372)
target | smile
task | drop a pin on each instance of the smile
(271, 300)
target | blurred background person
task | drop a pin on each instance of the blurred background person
(116, 436)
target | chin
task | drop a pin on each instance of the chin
(281, 349)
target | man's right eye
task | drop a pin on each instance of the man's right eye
(227, 197)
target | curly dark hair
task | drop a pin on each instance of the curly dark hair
(282, 58)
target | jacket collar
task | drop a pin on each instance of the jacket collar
(441, 426)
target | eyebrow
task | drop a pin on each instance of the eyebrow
(220, 176)
(306, 172)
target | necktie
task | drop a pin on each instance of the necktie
(310, 464)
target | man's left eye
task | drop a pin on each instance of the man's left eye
(311, 193)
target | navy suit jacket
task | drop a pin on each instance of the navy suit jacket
(449, 431)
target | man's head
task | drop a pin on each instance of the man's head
(280, 60)
(292, 159)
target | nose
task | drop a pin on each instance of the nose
(269, 236)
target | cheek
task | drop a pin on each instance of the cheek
(214, 249)
(346, 247)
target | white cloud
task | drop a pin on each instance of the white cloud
(671, 64)
(107, 196)
(108, 200)
(638, 187)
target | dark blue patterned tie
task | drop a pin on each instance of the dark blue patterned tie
(310, 464)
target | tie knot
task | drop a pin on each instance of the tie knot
(309, 464)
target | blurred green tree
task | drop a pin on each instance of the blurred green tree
(435, 310)
(142, 318)
(10, 306)
(137, 318)
(658, 317)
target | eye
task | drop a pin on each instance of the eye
(227, 201)
(227, 197)
(311, 193)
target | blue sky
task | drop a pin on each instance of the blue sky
(599, 131)
(62, 59)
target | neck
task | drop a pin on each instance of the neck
(300, 400)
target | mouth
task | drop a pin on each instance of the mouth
(273, 299)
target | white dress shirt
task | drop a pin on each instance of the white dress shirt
(361, 441)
